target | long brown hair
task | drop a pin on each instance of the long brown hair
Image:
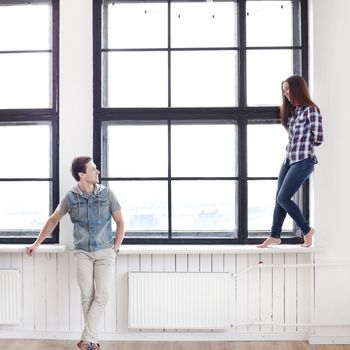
(298, 94)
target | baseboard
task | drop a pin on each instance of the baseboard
(316, 339)
(159, 336)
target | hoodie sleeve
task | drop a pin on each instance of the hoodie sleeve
(63, 206)
(113, 202)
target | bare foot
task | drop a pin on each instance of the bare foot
(269, 241)
(308, 238)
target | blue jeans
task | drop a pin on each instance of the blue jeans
(290, 179)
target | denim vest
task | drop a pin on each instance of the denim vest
(91, 217)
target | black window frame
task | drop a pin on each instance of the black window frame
(242, 115)
(32, 116)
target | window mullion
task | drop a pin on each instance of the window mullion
(169, 183)
(243, 183)
(242, 71)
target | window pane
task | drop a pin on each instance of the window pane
(24, 205)
(204, 150)
(204, 206)
(137, 25)
(265, 72)
(135, 79)
(25, 80)
(270, 23)
(27, 26)
(144, 205)
(204, 24)
(266, 149)
(261, 201)
(25, 151)
(137, 151)
(204, 79)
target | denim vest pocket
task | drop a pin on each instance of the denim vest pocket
(101, 208)
(78, 211)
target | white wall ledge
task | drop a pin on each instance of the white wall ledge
(43, 248)
(213, 249)
(173, 249)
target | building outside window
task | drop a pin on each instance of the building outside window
(186, 117)
(28, 118)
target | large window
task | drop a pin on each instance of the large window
(28, 117)
(186, 118)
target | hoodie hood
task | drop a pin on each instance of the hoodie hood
(98, 188)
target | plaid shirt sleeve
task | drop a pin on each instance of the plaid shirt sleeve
(315, 118)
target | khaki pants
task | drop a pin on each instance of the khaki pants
(95, 272)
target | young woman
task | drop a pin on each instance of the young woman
(303, 121)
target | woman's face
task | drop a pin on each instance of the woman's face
(285, 88)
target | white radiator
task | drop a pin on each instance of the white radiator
(179, 300)
(10, 296)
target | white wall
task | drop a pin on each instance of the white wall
(51, 301)
(76, 96)
(331, 72)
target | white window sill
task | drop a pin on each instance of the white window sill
(213, 249)
(21, 248)
(173, 249)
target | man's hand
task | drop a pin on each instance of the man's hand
(30, 250)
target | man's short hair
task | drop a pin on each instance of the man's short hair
(79, 166)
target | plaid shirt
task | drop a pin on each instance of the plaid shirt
(305, 131)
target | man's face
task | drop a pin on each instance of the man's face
(91, 174)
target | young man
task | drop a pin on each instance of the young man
(91, 207)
